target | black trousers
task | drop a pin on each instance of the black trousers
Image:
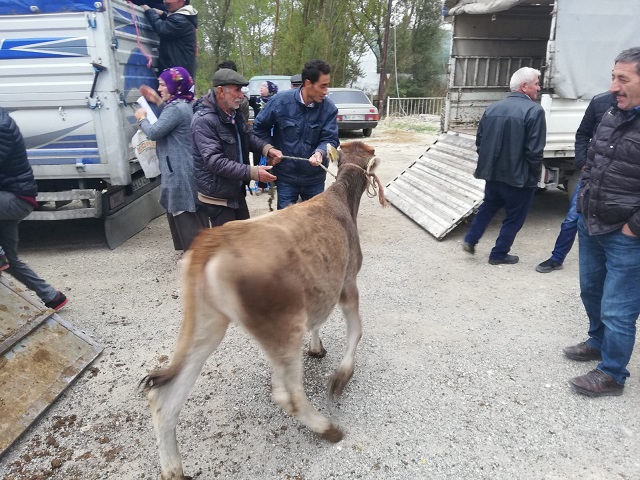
(186, 226)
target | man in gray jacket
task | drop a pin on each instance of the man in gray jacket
(510, 141)
(221, 145)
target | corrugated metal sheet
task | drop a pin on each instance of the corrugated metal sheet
(439, 190)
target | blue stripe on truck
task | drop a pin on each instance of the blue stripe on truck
(21, 48)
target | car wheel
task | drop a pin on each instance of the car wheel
(367, 132)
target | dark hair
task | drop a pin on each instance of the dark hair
(630, 55)
(228, 64)
(313, 69)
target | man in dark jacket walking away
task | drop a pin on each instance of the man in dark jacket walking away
(177, 31)
(301, 122)
(510, 141)
(221, 145)
(569, 227)
(609, 233)
(18, 192)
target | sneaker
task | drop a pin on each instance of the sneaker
(58, 302)
(467, 247)
(506, 260)
(596, 384)
(4, 263)
(150, 95)
(549, 266)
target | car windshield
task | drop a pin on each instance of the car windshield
(349, 96)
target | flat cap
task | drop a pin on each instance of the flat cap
(296, 79)
(226, 76)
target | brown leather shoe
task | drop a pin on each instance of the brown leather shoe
(596, 384)
(582, 352)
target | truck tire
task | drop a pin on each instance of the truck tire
(367, 132)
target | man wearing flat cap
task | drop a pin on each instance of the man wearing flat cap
(296, 80)
(221, 145)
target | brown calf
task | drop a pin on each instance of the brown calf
(313, 259)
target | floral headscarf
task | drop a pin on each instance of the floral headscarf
(179, 84)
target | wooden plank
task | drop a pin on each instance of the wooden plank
(43, 355)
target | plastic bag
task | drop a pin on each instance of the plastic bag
(145, 151)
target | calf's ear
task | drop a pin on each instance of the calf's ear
(332, 153)
(373, 164)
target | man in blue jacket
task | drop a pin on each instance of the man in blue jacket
(510, 141)
(569, 227)
(301, 122)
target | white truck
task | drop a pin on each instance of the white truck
(572, 42)
(69, 74)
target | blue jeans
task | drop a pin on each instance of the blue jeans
(609, 279)
(12, 212)
(516, 202)
(288, 193)
(568, 230)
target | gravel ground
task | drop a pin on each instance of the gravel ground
(459, 373)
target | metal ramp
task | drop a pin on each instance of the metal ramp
(40, 355)
(438, 191)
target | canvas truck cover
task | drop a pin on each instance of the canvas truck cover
(21, 7)
(588, 36)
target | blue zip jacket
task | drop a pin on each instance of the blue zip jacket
(298, 131)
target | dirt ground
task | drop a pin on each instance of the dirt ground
(459, 373)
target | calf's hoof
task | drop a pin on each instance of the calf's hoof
(319, 354)
(332, 434)
(338, 382)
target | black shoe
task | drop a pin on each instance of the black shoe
(582, 352)
(58, 302)
(467, 247)
(549, 266)
(596, 384)
(506, 260)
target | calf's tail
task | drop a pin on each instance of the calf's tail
(191, 269)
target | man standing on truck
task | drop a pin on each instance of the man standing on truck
(177, 31)
(609, 237)
(569, 227)
(18, 192)
(301, 122)
(510, 142)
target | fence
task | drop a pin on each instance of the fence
(402, 107)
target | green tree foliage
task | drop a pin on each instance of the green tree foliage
(278, 36)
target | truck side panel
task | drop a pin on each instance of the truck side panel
(49, 65)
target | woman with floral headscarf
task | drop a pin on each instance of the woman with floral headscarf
(172, 134)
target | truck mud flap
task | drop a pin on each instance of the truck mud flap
(438, 191)
(123, 224)
(40, 356)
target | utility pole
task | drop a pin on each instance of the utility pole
(383, 60)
